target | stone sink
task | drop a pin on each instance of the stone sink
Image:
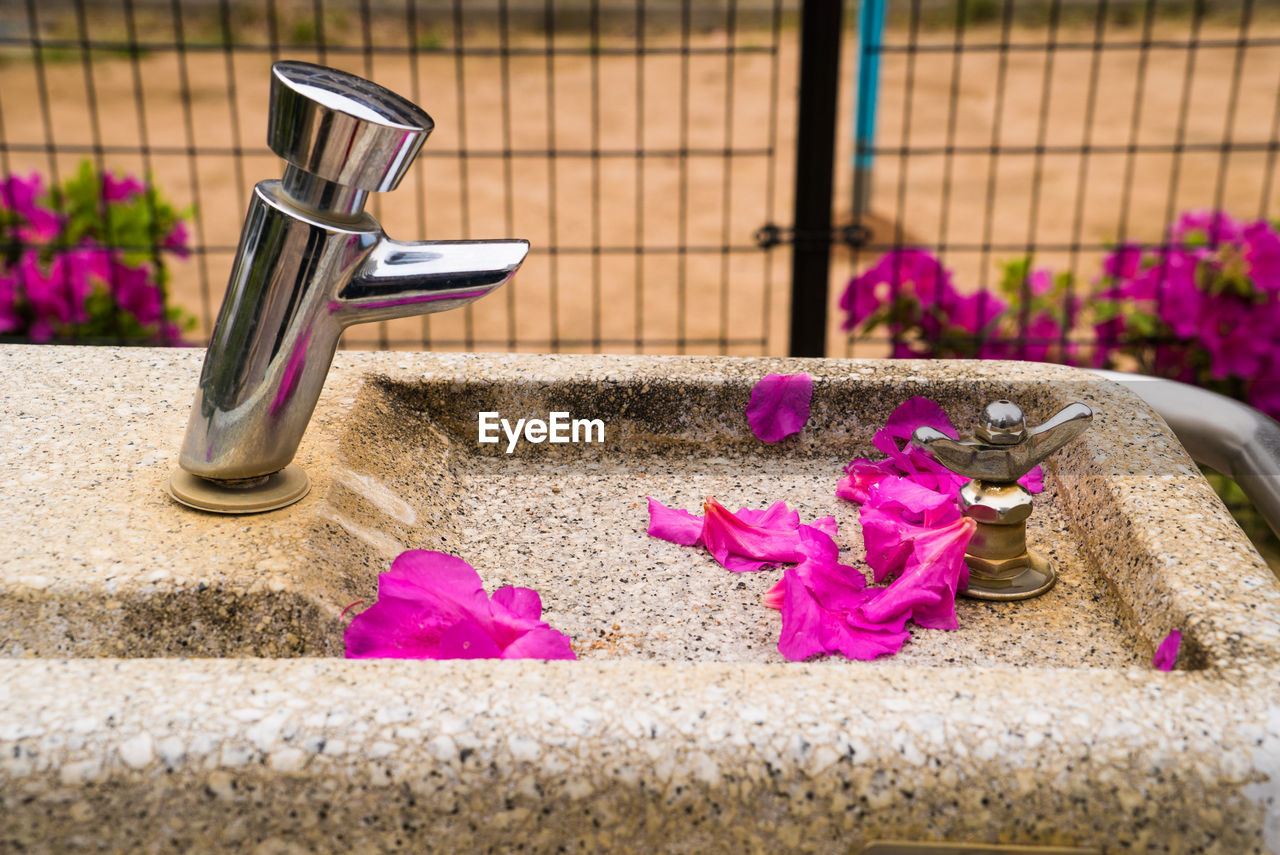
(172, 680)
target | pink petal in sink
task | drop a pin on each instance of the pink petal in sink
(779, 405)
(1167, 653)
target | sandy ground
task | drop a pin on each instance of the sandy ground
(663, 300)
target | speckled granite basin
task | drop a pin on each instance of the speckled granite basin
(176, 668)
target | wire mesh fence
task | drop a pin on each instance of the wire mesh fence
(1058, 131)
(636, 147)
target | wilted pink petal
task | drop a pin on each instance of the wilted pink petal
(835, 585)
(915, 503)
(811, 627)
(826, 526)
(742, 546)
(926, 590)
(779, 405)
(917, 412)
(1033, 480)
(777, 515)
(818, 543)
(887, 539)
(540, 643)
(467, 640)
(1167, 653)
(444, 581)
(394, 629)
(773, 598)
(860, 474)
(433, 606)
(674, 524)
(520, 602)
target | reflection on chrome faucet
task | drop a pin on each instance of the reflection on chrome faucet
(312, 262)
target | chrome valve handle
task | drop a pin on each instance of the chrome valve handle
(1002, 450)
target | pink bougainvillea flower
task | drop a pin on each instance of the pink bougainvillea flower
(10, 318)
(899, 272)
(135, 292)
(56, 296)
(120, 189)
(925, 591)
(826, 607)
(1167, 653)
(744, 541)
(820, 615)
(178, 240)
(674, 524)
(22, 196)
(433, 606)
(779, 405)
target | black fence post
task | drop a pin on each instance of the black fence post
(820, 35)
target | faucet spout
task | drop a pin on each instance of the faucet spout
(399, 279)
(299, 280)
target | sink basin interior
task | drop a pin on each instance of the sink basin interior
(570, 521)
(405, 470)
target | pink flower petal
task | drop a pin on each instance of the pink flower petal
(1167, 653)
(810, 628)
(674, 524)
(467, 640)
(860, 474)
(777, 515)
(779, 405)
(394, 629)
(817, 540)
(918, 412)
(914, 502)
(774, 597)
(437, 580)
(887, 540)
(433, 606)
(521, 602)
(935, 571)
(741, 546)
(541, 643)
(1033, 480)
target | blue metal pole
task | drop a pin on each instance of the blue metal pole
(870, 31)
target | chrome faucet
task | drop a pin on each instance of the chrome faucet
(312, 262)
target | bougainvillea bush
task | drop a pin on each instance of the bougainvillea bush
(1203, 308)
(84, 260)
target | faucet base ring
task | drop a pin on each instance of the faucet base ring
(277, 490)
(1031, 582)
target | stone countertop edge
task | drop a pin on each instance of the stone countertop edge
(331, 755)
